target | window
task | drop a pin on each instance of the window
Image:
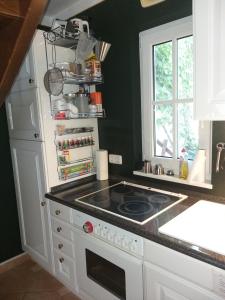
(168, 126)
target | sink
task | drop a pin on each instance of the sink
(202, 224)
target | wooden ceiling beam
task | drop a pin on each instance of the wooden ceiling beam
(16, 31)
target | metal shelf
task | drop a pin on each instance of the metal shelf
(82, 79)
(66, 115)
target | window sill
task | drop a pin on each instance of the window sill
(174, 179)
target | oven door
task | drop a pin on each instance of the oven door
(105, 272)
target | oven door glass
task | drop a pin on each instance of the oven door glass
(106, 274)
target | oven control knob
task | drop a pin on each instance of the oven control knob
(88, 227)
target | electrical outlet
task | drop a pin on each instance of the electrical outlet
(115, 159)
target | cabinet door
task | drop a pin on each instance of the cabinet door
(23, 115)
(160, 284)
(30, 185)
(65, 270)
(26, 76)
(209, 33)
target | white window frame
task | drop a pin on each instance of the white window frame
(148, 38)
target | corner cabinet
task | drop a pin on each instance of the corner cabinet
(209, 36)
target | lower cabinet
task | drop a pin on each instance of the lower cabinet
(65, 269)
(28, 165)
(63, 245)
(171, 275)
(163, 285)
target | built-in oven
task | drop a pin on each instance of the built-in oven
(104, 270)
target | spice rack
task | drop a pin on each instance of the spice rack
(74, 149)
(78, 169)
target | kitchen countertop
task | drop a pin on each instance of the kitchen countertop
(66, 195)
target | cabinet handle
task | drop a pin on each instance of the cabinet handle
(61, 259)
(43, 203)
(36, 135)
(59, 229)
(57, 212)
(31, 81)
(60, 246)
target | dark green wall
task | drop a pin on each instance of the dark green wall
(119, 22)
(10, 236)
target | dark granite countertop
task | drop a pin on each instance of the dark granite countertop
(67, 194)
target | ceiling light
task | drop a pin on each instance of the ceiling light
(147, 3)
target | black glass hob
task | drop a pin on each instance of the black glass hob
(133, 202)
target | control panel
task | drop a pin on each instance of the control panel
(111, 234)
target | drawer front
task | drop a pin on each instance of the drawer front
(61, 211)
(62, 229)
(63, 246)
(65, 270)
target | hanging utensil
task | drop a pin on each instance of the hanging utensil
(84, 47)
(53, 78)
(101, 50)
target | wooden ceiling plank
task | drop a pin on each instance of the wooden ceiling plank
(19, 44)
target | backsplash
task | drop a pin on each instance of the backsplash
(218, 179)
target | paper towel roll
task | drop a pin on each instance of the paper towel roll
(102, 164)
(197, 172)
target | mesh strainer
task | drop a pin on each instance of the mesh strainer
(53, 79)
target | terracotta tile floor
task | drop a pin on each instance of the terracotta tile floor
(29, 281)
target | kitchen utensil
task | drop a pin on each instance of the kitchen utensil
(77, 26)
(54, 81)
(96, 99)
(158, 170)
(219, 147)
(81, 101)
(101, 50)
(53, 78)
(84, 47)
(147, 166)
(170, 173)
(69, 97)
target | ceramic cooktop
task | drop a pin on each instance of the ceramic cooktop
(133, 202)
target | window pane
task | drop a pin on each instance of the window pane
(187, 130)
(163, 143)
(163, 71)
(185, 67)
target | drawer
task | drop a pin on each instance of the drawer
(62, 229)
(61, 211)
(63, 246)
(65, 270)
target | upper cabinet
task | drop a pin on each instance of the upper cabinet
(26, 76)
(209, 34)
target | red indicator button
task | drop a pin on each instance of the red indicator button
(88, 227)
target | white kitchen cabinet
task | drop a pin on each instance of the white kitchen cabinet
(27, 158)
(163, 285)
(209, 37)
(65, 269)
(171, 275)
(23, 115)
(26, 77)
(63, 245)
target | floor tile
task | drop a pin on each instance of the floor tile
(29, 281)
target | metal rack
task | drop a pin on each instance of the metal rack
(60, 37)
